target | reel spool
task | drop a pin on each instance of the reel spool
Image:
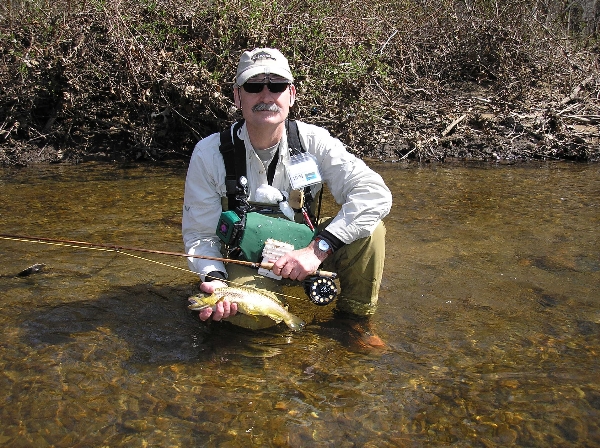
(320, 290)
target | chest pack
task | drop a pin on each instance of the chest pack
(243, 227)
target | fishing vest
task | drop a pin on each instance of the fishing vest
(233, 151)
(245, 234)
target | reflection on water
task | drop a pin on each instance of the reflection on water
(490, 306)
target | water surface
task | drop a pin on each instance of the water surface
(490, 307)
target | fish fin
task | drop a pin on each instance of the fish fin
(275, 317)
(251, 310)
(294, 322)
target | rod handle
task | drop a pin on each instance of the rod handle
(319, 272)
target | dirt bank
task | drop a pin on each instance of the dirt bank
(468, 124)
(422, 81)
(479, 124)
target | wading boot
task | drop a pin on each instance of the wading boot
(357, 331)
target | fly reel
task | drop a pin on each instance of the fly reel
(320, 290)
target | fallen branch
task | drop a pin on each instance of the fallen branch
(453, 125)
(587, 119)
(575, 93)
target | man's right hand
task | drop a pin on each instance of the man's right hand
(223, 309)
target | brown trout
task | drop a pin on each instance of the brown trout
(251, 301)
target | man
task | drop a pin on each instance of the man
(352, 244)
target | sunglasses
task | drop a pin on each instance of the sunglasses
(257, 87)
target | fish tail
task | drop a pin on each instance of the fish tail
(294, 322)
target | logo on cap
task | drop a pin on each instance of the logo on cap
(262, 55)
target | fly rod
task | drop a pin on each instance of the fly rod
(267, 266)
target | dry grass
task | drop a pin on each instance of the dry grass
(130, 79)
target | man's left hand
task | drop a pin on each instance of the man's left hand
(223, 309)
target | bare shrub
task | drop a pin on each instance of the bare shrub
(129, 79)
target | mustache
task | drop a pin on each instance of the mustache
(264, 106)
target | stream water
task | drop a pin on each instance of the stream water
(490, 308)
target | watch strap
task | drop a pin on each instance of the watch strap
(322, 238)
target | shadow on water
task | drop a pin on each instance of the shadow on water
(153, 322)
(150, 320)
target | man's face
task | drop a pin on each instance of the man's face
(265, 107)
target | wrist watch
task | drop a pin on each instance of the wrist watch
(324, 245)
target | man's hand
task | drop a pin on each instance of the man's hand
(223, 309)
(299, 264)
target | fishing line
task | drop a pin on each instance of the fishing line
(268, 266)
(102, 249)
(105, 248)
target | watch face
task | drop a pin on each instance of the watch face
(323, 245)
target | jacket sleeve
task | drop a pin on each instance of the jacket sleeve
(204, 186)
(361, 192)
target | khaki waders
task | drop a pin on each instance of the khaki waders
(359, 266)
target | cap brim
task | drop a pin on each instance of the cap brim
(263, 70)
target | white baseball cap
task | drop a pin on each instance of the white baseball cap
(267, 61)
